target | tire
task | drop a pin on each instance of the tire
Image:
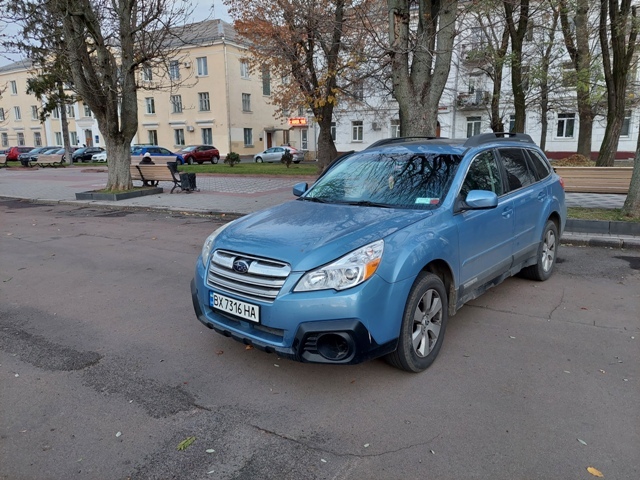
(423, 325)
(190, 160)
(546, 255)
(215, 160)
(259, 160)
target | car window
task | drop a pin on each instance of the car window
(515, 163)
(413, 180)
(540, 166)
(483, 174)
(136, 150)
(163, 151)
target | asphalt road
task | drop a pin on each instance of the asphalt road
(104, 371)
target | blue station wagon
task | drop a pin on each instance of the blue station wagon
(388, 243)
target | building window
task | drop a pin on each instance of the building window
(178, 135)
(395, 128)
(147, 74)
(626, 124)
(474, 124)
(358, 91)
(248, 137)
(512, 123)
(14, 87)
(150, 105)
(203, 69)
(356, 131)
(207, 136)
(71, 111)
(34, 112)
(73, 138)
(566, 125)
(333, 131)
(16, 113)
(5, 139)
(20, 138)
(58, 136)
(266, 81)
(569, 75)
(203, 100)
(244, 69)
(174, 70)
(153, 137)
(87, 110)
(246, 102)
(1, 114)
(176, 103)
(304, 139)
(55, 113)
(37, 139)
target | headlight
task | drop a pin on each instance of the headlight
(206, 248)
(346, 272)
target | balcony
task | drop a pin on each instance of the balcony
(473, 101)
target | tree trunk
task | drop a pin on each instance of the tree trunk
(326, 147)
(585, 128)
(631, 206)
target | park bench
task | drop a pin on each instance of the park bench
(596, 179)
(48, 161)
(152, 174)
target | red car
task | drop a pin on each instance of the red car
(200, 154)
(13, 152)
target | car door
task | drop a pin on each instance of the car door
(528, 196)
(484, 236)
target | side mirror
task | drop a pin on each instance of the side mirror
(479, 200)
(300, 188)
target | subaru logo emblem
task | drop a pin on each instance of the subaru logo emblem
(241, 266)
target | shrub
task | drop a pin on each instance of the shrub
(287, 158)
(575, 160)
(232, 158)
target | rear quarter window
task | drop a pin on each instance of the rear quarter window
(540, 165)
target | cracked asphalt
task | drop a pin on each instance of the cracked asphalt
(104, 370)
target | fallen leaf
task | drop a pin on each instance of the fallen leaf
(249, 347)
(219, 352)
(595, 472)
(186, 443)
(584, 308)
(154, 238)
(582, 442)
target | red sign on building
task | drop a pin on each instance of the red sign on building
(298, 121)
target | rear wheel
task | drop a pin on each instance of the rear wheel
(259, 160)
(423, 325)
(547, 254)
(190, 160)
(215, 160)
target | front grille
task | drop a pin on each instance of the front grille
(262, 281)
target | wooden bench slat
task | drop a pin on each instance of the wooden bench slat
(154, 173)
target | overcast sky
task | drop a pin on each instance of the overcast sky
(203, 9)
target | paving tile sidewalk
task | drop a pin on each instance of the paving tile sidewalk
(236, 195)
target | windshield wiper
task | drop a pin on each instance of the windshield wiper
(368, 203)
(313, 199)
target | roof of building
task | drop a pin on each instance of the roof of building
(25, 64)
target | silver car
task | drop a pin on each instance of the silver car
(274, 154)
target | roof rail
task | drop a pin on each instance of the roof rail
(497, 136)
(388, 141)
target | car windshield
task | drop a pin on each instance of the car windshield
(407, 180)
(189, 148)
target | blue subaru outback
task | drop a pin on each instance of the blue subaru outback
(374, 257)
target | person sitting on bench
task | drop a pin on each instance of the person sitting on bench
(146, 160)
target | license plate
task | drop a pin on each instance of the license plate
(235, 307)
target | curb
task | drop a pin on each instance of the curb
(603, 227)
(596, 240)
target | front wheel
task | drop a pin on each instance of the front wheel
(423, 325)
(547, 254)
(215, 160)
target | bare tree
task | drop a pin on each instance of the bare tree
(103, 43)
(421, 47)
(618, 32)
(517, 31)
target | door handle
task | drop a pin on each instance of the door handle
(506, 213)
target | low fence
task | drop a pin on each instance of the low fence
(596, 179)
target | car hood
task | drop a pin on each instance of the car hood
(305, 234)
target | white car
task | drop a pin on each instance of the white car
(274, 154)
(99, 157)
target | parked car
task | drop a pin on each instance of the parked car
(99, 157)
(373, 258)
(274, 154)
(156, 151)
(14, 152)
(200, 154)
(85, 154)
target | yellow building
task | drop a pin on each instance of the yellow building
(216, 99)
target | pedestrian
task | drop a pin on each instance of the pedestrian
(146, 159)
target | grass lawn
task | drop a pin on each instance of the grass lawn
(610, 215)
(247, 168)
